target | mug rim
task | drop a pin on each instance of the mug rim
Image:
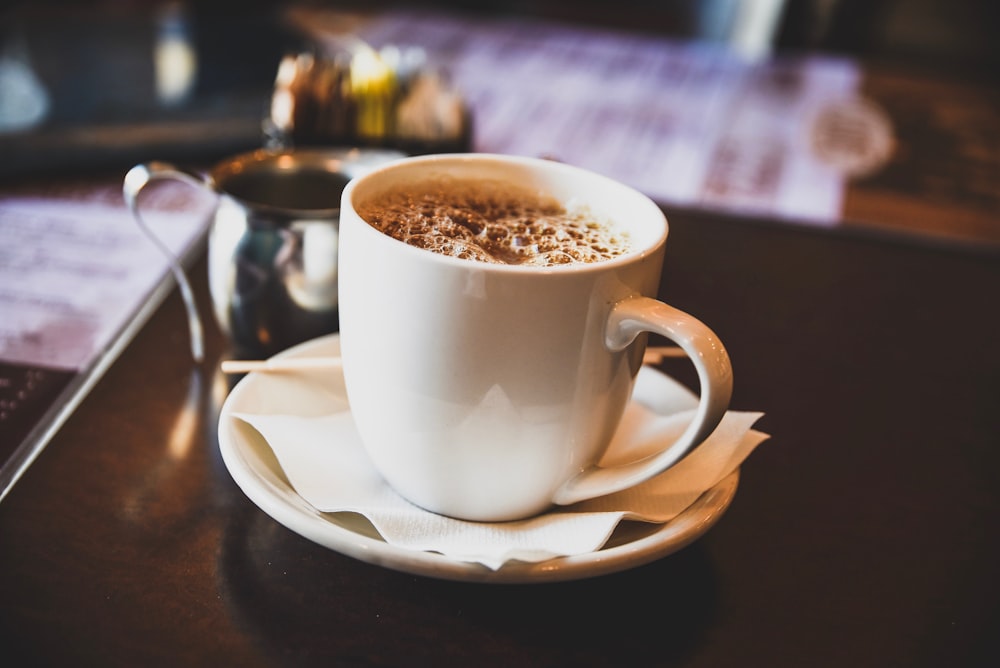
(628, 257)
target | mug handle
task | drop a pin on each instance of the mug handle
(627, 320)
(138, 178)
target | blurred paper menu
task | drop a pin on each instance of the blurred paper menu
(77, 280)
(687, 123)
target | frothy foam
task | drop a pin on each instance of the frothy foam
(493, 221)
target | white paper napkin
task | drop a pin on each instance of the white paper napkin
(326, 464)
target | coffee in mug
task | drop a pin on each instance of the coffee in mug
(494, 221)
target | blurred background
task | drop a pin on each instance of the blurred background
(109, 83)
(110, 80)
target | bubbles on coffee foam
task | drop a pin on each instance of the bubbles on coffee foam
(493, 221)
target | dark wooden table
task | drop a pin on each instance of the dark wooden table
(863, 534)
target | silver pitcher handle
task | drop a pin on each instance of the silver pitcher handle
(135, 180)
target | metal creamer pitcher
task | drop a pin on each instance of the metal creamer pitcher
(272, 245)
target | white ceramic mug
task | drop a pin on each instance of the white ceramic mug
(490, 392)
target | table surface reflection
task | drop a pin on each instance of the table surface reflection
(864, 533)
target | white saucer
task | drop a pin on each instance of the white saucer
(254, 468)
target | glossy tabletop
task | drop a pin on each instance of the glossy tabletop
(864, 533)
